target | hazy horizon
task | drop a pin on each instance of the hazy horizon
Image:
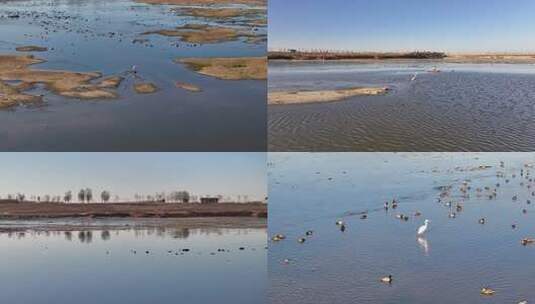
(453, 26)
(125, 174)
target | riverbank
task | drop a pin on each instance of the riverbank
(377, 56)
(21, 211)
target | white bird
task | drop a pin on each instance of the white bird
(423, 228)
(414, 77)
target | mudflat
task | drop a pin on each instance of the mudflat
(218, 13)
(64, 83)
(302, 97)
(238, 68)
(32, 210)
(204, 33)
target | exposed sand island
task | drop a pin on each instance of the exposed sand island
(145, 88)
(188, 86)
(301, 97)
(31, 48)
(205, 2)
(32, 210)
(203, 33)
(218, 13)
(64, 83)
(239, 68)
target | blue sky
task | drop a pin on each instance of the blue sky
(125, 174)
(400, 25)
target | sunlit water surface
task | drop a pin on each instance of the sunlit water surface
(456, 258)
(465, 107)
(98, 35)
(134, 266)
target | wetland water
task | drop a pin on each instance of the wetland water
(465, 107)
(106, 261)
(450, 264)
(99, 35)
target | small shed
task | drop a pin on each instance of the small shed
(209, 200)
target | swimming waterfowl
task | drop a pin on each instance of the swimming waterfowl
(343, 227)
(417, 213)
(524, 211)
(363, 217)
(452, 215)
(513, 226)
(339, 222)
(423, 228)
(487, 291)
(309, 232)
(387, 279)
(301, 240)
(527, 241)
(481, 221)
(278, 237)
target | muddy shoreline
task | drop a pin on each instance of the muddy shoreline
(29, 211)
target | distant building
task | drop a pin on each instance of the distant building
(209, 200)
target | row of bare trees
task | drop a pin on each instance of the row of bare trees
(85, 195)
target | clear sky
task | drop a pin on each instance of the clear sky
(401, 25)
(125, 174)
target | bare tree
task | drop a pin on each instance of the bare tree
(88, 194)
(67, 197)
(183, 196)
(105, 196)
(81, 195)
(20, 197)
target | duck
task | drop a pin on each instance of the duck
(486, 291)
(452, 215)
(309, 232)
(278, 237)
(363, 217)
(527, 241)
(301, 240)
(387, 279)
(481, 221)
(343, 227)
(339, 223)
(524, 211)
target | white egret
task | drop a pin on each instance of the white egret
(423, 228)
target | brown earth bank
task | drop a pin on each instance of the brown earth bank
(238, 68)
(205, 2)
(218, 13)
(32, 210)
(367, 56)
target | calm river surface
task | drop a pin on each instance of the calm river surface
(465, 107)
(450, 264)
(98, 35)
(110, 261)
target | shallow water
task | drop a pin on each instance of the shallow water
(100, 266)
(97, 35)
(466, 107)
(456, 258)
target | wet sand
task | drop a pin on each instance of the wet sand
(254, 68)
(30, 210)
(218, 13)
(301, 97)
(145, 88)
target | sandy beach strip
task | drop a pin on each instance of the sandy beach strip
(303, 97)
